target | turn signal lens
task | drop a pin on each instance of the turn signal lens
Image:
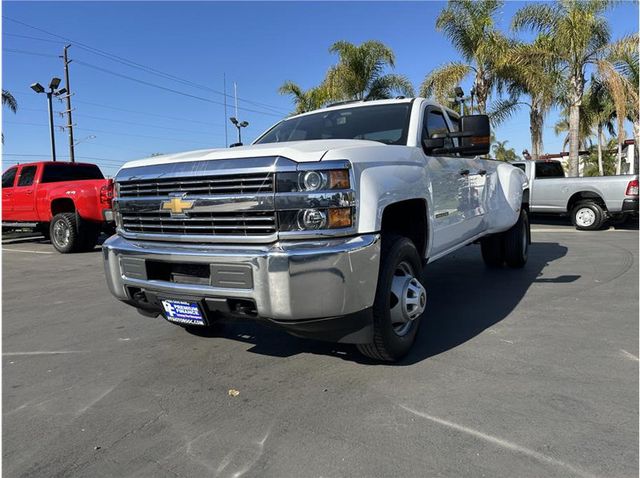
(339, 217)
(339, 179)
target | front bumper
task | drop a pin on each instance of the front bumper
(291, 283)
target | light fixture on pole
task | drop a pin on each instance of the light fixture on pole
(239, 125)
(53, 91)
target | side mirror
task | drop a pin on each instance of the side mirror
(476, 135)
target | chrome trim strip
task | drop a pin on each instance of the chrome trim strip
(198, 238)
(226, 203)
(206, 167)
(302, 200)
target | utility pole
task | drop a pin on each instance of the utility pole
(69, 121)
(226, 133)
(51, 133)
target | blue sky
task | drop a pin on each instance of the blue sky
(257, 45)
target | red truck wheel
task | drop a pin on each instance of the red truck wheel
(67, 237)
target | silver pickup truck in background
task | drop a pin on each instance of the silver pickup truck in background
(591, 202)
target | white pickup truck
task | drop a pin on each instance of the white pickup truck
(322, 226)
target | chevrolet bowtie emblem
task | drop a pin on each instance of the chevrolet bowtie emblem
(177, 205)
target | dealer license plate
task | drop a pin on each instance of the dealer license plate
(183, 312)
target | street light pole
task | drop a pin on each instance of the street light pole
(51, 132)
(239, 125)
(53, 91)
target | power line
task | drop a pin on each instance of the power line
(148, 69)
(174, 118)
(116, 133)
(101, 118)
(165, 88)
(59, 42)
(25, 52)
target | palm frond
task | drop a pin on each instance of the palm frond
(9, 100)
(502, 110)
(439, 84)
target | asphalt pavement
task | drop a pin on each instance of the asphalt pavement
(516, 373)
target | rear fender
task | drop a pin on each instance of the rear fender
(505, 198)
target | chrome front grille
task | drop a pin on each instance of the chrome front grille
(257, 223)
(202, 186)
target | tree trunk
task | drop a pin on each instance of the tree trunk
(636, 140)
(600, 166)
(574, 139)
(619, 157)
(576, 81)
(536, 119)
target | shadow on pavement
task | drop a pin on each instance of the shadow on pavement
(464, 299)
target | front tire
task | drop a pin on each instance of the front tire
(399, 303)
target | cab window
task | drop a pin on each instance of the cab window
(27, 174)
(9, 177)
(433, 123)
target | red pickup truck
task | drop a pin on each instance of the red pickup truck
(68, 202)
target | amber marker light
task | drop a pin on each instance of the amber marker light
(339, 217)
(339, 179)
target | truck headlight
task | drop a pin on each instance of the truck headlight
(313, 180)
(313, 219)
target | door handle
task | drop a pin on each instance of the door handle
(464, 172)
(482, 172)
(29, 192)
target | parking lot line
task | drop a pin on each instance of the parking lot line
(26, 251)
(576, 231)
(500, 442)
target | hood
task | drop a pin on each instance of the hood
(299, 151)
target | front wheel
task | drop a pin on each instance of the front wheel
(399, 303)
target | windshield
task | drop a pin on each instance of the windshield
(387, 124)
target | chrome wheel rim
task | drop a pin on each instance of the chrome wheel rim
(61, 233)
(585, 217)
(408, 299)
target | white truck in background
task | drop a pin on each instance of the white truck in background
(590, 202)
(322, 226)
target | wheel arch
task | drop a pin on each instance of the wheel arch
(409, 218)
(586, 195)
(60, 205)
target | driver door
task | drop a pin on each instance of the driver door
(451, 199)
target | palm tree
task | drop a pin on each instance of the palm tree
(359, 74)
(304, 101)
(577, 34)
(502, 153)
(600, 110)
(534, 76)
(618, 72)
(10, 101)
(469, 25)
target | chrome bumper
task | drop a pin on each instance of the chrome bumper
(290, 280)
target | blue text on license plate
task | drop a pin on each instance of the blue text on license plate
(182, 312)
